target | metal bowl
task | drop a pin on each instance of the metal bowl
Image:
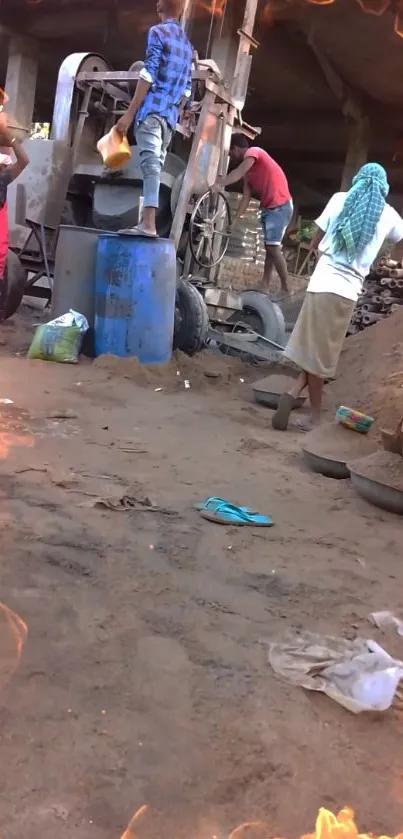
(380, 495)
(326, 466)
(271, 399)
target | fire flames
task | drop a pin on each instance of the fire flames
(214, 7)
(342, 826)
(370, 7)
(13, 634)
(328, 826)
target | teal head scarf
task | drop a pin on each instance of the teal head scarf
(363, 207)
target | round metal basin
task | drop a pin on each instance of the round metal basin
(380, 495)
(270, 399)
(326, 466)
(267, 391)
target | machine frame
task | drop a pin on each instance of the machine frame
(90, 96)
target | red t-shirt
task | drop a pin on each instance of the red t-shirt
(267, 179)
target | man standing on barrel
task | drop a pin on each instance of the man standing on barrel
(163, 88)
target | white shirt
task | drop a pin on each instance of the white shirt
(335, 274)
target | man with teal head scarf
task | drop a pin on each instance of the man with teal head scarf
(363, 207)
(351, 232)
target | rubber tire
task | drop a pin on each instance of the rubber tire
(15, 277)
(191, 334)
(269, 313)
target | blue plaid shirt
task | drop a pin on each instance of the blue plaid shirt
(168, 68)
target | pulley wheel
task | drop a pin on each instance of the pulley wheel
(209, 229)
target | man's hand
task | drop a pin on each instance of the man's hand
(123, 124)
(218, 186)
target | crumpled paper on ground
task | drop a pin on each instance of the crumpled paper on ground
(128, 502)
(386, 619)
(359, 674)
(122, 503)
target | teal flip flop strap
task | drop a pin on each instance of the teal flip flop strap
(236, 514)
(214, 502)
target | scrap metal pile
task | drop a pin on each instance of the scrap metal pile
(382, 294)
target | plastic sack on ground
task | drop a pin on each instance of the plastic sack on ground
(359, 675)
(60, 339)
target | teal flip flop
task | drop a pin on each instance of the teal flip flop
(226, 513)
(213, 502)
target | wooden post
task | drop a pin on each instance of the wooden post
(357, 152)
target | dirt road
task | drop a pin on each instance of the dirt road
(144, 678)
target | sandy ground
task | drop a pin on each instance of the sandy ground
(144, 678)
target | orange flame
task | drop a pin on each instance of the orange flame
(328, 826)
(374, 7)
(13, 635)
(399, 18)
(3, 98)
(213, 7)
(342, 826)
(273, 9)
(130, 832)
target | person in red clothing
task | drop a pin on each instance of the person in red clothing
(264, 177)
(9, 171)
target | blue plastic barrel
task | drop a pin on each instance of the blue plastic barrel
(135, 286)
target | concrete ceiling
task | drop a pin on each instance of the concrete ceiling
(289, 95)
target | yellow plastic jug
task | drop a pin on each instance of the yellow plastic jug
(114, 149)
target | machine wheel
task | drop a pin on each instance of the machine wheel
(191, 319)
(262, 315)
(209, 229)
(15, 279)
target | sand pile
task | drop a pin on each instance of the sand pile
(370, 374)
(334, 442)
(383, 467)
(202, 371)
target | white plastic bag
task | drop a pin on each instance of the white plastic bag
(359, 675)
(367, 682)
(59, 340)
(72, 318)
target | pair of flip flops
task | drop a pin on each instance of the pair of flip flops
(221, 511)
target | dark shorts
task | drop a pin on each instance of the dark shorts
(275, 222)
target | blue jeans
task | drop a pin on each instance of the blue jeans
(275, 222)
(153, 136)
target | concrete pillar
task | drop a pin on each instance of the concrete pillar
(22, 71)
(357, 152)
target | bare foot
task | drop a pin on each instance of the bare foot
(307, 424)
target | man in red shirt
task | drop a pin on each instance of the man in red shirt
(263, 176)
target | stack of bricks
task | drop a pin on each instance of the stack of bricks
(243, 264)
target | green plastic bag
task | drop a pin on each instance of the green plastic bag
(53, 342)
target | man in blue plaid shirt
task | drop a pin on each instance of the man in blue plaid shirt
(163, 87)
